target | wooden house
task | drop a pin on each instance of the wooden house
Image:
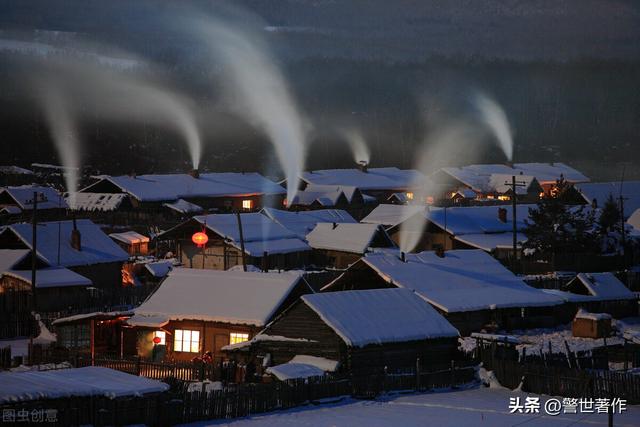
(470, 288)
(154, 197)
(303, 222)
(135, 244)
(15, 175)
(266, 244)
(591, 325)
(363, 331)
(597, 194)
(197, 311)
(77, 264)
(599, 293)
(339, 245)
(16, 203)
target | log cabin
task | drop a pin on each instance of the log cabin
(340, 245)
(363, 331)
(197, 311)
(591, 325)
(598, 293)
(135, 244)
(469, 287)
(267, 244)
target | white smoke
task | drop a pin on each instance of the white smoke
(357, 144)
(258, 91)
(494, 117)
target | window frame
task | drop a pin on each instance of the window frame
(180, 337)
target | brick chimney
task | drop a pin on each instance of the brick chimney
(403, 257)
(76, 239)
(195, 173)
(363, 166)
(440, 251)
(502, 215)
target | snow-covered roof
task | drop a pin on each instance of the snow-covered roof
(602, 190)
(159, 268)
(583, 314)
(48, 197)
(101, 202)
(302, 222)
(96, 246)
(491, 241)
(10, 257)
(634, 219)
(463, 280)
(261, 234)
(355, 238)
(14, 170)
(129, 237)
(184, 207)
(64, 383)
(291, 370)
(218, 296)
(478, 219)
(11, 210)
(379, 316)
(390, 178)
(50, 277)
(93, 315)
(392, 215)
(604, 286)
(349, 191)
(478, 177)
(170, 187)
(499, 183)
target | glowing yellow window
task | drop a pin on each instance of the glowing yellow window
(160, 338)
(186, 341)
(409, 195)
(247, 204)
(504, 198)
(236, 337)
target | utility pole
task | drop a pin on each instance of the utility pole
(621, 200)
(34, 256)
(244, 260)
(514, 201)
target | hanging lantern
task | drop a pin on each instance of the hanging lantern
(200, 238)
(157, 340)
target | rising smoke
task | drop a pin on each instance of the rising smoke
(357, 144)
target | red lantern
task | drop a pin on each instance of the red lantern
(156, 340)
(200, 238)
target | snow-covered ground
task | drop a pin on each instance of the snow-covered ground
(476, 406)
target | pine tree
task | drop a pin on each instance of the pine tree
(610, 216)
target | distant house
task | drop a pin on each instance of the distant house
(599, 293)
(154, 197)
(379, 183)
(303, 222)
(15, 175)
(266, 243)
(132, 242)
(195, 311)
(17, 203)
(109, 208)
(488, 180)
(340, 245)
(469, 287)
(73, 258)
(363, 331)
(591, 325)
(597, 194)
(489, 228)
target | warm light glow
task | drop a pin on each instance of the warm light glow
(541, 195)
(237, 337)
(247, 204)
(490, 197)
(409, 195)
(159, 337)
(285, 202)
(430, 200)
(186, 341)
(453, 194)
(504, 198)
(200, 238)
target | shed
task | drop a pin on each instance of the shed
(194, 311)
(132, 242)
(591, 325)
(362, 330)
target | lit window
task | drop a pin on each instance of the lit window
(504, 198)
(235, 337)
(162, 336)
(285, 202)
(490, 197)
(247, 204)
(409, 195)
(186, 341)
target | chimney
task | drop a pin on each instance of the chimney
(265, 261)
(132, 174)
(76, 240)
(195, 173)
(439, 251)
(594, 203)
(403, 257)
(363, 166)
(335, 225)
(502, 215)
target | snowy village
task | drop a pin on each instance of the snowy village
(170, 256)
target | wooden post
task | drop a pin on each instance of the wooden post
(34, 251)
(93, 340)
(417, 374)
(571, 365)
(244, 260)
(453, 374)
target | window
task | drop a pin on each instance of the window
(409, 195)
(247, 204)
(236, 337)
(162, 336)
(186, 341)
